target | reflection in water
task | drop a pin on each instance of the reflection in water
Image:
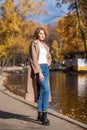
(16, 83)
(69, 95)
(82, 86)
(68, 90)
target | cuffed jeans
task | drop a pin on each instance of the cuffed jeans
(44, 90)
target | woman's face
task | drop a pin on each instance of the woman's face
(41, 35)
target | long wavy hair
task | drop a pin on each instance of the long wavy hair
(36, 33)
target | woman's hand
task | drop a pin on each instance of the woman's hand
(41, 76)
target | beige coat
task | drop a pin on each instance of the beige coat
(33, 68)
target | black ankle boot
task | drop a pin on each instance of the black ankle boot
(44, 119)
(39, 116)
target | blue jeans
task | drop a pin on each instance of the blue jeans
(44, 90)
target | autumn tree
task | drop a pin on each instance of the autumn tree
(78, 8)
(56, 51)
(12, 26)
(70, 38)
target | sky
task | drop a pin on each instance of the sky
(54, 12)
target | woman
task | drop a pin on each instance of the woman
(40, 60)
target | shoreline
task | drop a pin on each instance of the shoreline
(23, 68)
(33, 104)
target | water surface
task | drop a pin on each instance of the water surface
(69, 94)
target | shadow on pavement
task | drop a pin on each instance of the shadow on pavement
(7, 115)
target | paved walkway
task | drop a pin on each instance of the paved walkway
(18, 114)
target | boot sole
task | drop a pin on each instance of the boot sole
(45, 123)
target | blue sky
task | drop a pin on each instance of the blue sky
(54, 12)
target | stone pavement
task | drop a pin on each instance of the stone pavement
(18, 114)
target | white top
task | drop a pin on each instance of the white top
(42, 54)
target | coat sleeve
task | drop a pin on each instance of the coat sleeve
(34, 58)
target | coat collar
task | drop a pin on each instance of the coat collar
(37, 41)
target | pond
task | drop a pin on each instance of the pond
(69, 94)
(68, 90)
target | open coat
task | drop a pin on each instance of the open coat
(32, 87)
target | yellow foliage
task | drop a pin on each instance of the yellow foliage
(56, 52)
(15, 33)
(69, 33)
